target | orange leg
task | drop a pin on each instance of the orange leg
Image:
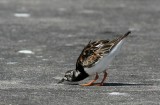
(104, 78)
(91, 82)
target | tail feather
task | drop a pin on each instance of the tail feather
(125, 35)
(120, 38)
(116, 41)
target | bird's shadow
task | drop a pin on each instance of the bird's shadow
(120, 84)
(124, 84)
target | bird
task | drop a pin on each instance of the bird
(95, 59)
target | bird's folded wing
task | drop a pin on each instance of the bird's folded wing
(93, 52)
(96, 50)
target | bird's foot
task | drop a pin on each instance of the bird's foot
(98, 84)
(87, 84)
(94, 84)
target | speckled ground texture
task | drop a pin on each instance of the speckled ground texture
(41, 39)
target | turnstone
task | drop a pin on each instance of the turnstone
(94, 59)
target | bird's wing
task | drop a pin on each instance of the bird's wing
(93, 52)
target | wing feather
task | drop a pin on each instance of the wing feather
(93, 52)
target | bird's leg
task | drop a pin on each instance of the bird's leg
(104, 78)
(91, 82)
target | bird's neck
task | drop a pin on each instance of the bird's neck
(78, 76)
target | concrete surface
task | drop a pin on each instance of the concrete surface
(41, 39)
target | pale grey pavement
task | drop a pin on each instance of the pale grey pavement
(41, 39)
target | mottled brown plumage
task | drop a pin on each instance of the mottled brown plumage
(94, 51)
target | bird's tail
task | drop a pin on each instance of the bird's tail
(125, 35)
(116, 41)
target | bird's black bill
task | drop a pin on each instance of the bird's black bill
(62, 80)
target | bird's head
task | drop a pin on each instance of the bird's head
(69, 76)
